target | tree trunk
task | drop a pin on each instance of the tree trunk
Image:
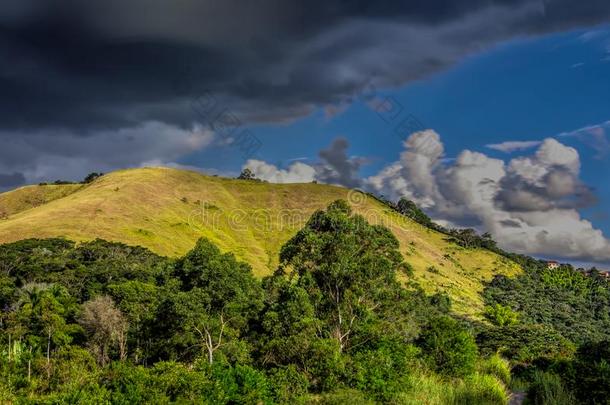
(30, 364)
(122, 346)
(49, 355)
(210, 355)
(210, 347)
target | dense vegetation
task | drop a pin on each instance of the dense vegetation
(168, 210)
(467, 238)
(555, 324)
(103, 322)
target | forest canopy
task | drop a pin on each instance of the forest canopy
(340, 320)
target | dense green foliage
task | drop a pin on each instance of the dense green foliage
(410, 210)
(573, 304)
(553, 324)
(102, 322)
(556, 324)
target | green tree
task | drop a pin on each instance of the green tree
(449, 346)
(501, 315)
(348, 269)
(92, 177)
(45, 314)
(409, 209)
(334, 294)
(247, 174)
(219, 297)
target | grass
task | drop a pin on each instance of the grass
(496, 366)
(476, 389)
(28, 197)
(480, 389)
(547, 388)
(167, 210)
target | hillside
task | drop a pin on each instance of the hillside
(167, 210)
(28, 197)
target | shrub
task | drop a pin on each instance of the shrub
(288, 384)
(525, 343)
(547, 388)
(238, 385)
(501, 315)
(179, 382)
(588, 375)
(442, 301)
(449, 347)
(382, 372)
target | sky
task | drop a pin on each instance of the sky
(488, 114)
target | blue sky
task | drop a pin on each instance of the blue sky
(527, 89)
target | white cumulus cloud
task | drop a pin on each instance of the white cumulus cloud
(530, 203)
(297, 172)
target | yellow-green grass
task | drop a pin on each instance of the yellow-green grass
(167, 210)
(27, 197)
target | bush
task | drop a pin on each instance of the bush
(449, 347)
(525, 343)
(547, 389)
(288, 384)
(91, 393)
(131, 385)
(588, 375)
(501, 315)
(382, 372)
(237, 385)
(179, 383)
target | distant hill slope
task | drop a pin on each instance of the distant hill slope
(167, 210)
(28, 197)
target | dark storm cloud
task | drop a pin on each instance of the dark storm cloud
(86, 65)
(11, 180)
(85, 73)
(338, 167)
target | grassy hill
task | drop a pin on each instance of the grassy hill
(167, 210)
(28, 197)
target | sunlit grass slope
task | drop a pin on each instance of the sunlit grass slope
(167, 210)
(28, 197)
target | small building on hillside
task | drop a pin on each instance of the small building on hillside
(601, 273)
(552, 265)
